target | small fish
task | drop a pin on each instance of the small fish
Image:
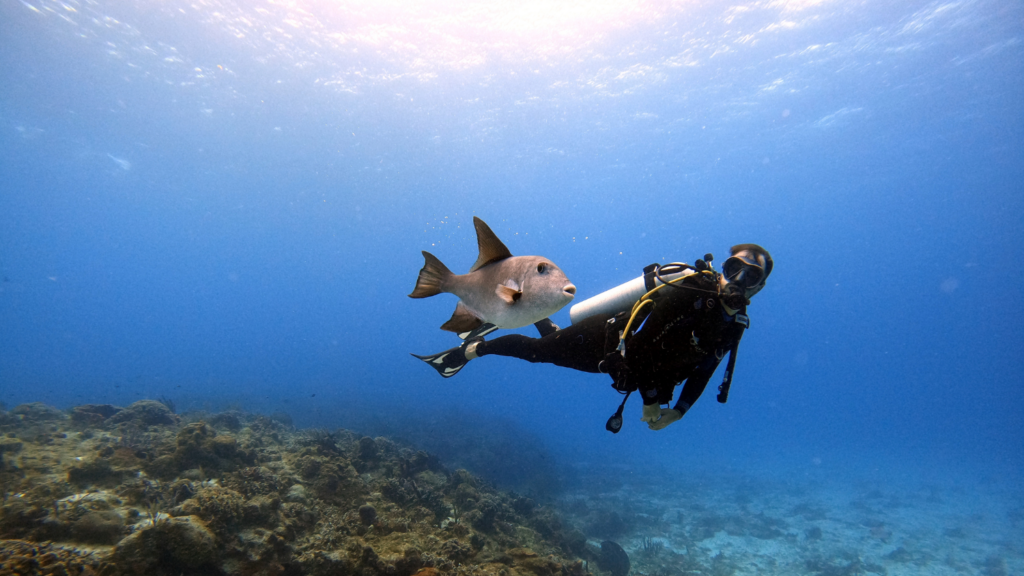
(500, 289)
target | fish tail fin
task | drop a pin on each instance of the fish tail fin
(432, 277)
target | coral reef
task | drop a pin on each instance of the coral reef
(101, 490)
(21, 558)
(499, 450)
(117, 491)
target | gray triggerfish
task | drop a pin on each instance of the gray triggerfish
(500, 289)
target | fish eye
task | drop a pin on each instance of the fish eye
(542, 268)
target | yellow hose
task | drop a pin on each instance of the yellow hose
(643, 301)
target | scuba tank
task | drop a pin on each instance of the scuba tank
(623, 296)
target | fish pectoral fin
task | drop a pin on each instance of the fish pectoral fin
(508, 294)
(462, 320)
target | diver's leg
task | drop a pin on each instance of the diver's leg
(580, 346)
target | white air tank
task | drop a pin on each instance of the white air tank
(620, 298)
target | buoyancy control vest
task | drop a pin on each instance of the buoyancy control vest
(662, 345)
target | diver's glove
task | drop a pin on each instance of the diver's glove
(652, 412)
(667, 416)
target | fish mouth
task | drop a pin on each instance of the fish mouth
(569, 291)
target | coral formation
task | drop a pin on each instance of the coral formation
(497, 449)
(145, 413)
(141, 490)
(21, 558)
(101, 490)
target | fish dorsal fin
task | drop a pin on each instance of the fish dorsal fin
(491, 249)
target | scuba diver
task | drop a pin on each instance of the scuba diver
(673, 324)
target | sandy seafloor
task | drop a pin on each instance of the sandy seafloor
(107, 490)
(749, 525)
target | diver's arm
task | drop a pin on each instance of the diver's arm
(691, 391)
(658, 418)
(653, 414)
(697, 382)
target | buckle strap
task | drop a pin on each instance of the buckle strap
(649, 275)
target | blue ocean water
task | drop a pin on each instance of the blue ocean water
(224, 203)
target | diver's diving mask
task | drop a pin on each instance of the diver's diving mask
(745, 270)
(745, 273)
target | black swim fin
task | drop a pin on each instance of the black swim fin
(478, 332)
(447, 363)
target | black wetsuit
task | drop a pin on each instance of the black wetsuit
(683, 337)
